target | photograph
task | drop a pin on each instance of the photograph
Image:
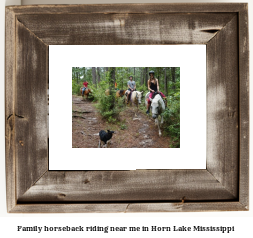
(127, 110)
(125, 107)
(193, 66)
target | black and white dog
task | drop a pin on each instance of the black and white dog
(105, 137)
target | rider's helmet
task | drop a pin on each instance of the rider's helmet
(151, 72)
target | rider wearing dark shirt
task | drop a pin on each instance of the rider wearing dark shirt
(153, 86)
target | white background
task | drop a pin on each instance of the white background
(241, 220)
(192, 151)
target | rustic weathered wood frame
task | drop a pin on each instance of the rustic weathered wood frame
(223, 186)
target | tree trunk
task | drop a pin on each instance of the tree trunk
(146, 76)
(94, 75)
(122, 78)
(111, 77)
(106, 70)
(141, 76)
(84, 74)
(173, 74)
(165, 83)
(77, 74)
(111, 86)
(98, 74)
(113, 71)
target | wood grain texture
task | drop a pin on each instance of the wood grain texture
(157, 8)
(222, 187)
(118, 29)
(244, 106)
(9, 109)
(186, 207)
(139, 185)
(30, 108)
(129, 207)
(222, 107)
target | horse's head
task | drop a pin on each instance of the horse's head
(155, 106)
(138, 96)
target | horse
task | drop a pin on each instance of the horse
(86, 92)
(135, 98)
(119, 93)
(157, 108)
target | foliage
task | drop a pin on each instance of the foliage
(110, 107)
(142, 88)
(99, 92)
(172, 118)
(76, 87)
(123, 126)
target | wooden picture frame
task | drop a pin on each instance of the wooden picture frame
(222, 186)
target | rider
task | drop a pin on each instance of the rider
(85, 85)
(153, 86)
(131, 87)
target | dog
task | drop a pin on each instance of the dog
(105, 137)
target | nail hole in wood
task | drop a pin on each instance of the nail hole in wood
(61, 195)
(86, 181)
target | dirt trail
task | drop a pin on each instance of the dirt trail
(139, 132)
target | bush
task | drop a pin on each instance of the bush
(108, 106)
(141, 88)
(172, 118)
(76, 87)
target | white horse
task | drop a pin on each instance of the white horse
(135, 98)
(157, 107)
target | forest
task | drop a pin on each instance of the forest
(111, 108)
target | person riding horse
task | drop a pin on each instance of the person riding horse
(131, 87)
(153, 86)
(85, 85)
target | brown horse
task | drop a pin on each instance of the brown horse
(86, 93)
(119, 93)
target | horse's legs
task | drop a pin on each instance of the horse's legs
(156, 121)
(99, 144)
(159, 129)
(161, 119)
